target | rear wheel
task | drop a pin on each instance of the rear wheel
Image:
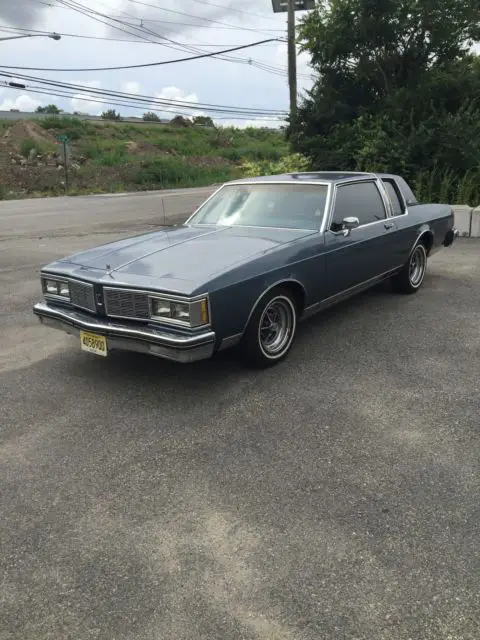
(411, 277)
(271, 329)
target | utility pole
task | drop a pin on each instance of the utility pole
(292, 59)
(290, 6)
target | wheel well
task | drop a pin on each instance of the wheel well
(297, 291)
(427, 240)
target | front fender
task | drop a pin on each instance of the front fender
(233, 306)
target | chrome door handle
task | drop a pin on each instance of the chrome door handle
(388, 225)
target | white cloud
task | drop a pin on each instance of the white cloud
(22, 103)
(176, 95)
(86, 102)
(131, 87)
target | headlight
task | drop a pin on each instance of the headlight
(190, 314)
(56, 287)
(63, 289)
(51, 287)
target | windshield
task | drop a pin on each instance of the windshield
(288, 206)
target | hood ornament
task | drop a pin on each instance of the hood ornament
(109, 270)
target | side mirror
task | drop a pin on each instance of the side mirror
(348, 224)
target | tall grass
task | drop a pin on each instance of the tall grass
(448, 186)
(40, 147)
(170, 171)
(71, 127)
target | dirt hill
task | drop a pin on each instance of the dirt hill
(116, 156)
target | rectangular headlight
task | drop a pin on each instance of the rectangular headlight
(189, 314)
(161, 308)
(56, 288)
(63, 289)
(51, 287)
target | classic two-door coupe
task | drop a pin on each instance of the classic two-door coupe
(254, 258)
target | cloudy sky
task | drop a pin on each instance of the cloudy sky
(254, 78)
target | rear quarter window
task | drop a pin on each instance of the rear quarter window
(395, 197)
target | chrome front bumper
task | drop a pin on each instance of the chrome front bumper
(140, 338)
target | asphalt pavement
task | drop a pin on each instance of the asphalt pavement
(335, 496)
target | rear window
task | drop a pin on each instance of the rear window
(394, 196)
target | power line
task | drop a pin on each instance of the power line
(62, 94)
(143, 98)
(6, 29)
(219, 25)
(78, 35)
(148, 64)
(89, 12)
(273, 69)
(182, 13)
(206, 26)
(246, 13)
(253, 63)
(173, 44)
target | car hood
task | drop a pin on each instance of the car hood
(175, 259)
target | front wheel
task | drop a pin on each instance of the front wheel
(411, 277)
(271, 329)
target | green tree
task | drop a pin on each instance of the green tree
(50, 108)
(111, 114)
(204, 121)
(396, 87)
(150, 116)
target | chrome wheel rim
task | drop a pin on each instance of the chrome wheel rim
(418, 261)
(276, 327)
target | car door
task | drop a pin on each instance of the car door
(365, 252)
(406, 233)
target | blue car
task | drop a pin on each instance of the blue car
(255, 258)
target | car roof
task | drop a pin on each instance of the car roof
(310, 176)
(331, 177)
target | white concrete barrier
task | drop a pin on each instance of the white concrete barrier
(463, 218)
(475, 223)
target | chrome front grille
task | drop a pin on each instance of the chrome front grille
(124, 303)
(82, 295)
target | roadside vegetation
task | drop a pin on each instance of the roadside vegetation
(399, 93)
(116, 156)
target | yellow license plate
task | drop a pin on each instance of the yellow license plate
(93, 343)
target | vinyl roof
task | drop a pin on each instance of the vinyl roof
(311, 176)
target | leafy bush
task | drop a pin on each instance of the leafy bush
(71, 127)
(384, 102)
(253, 152)
(26, 146)
(288, 164)
(111, 114)
(40, 147)
(50, 108)
(150, 116)
(204, 121)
